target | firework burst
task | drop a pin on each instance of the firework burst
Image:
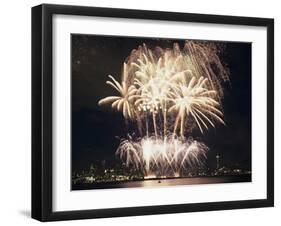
(174, 90)
(164, 156)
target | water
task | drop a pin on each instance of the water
(166, 182)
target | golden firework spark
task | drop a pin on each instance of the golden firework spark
(123, 101)
(170, 88)
(195, 100)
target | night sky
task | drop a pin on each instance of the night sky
(96, 130)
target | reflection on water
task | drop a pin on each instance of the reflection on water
(182, 181)
(167, 182)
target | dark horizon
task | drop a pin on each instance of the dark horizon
(95, 129)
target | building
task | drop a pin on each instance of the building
(218, 161)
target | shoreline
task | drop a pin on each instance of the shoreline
(169, 181)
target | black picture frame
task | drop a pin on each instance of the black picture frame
(42, 111)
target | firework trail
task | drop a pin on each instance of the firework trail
(175, 90)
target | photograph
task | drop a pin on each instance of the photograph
(150, 112)
(147, 112)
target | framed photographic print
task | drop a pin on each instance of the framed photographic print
(144, 112)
